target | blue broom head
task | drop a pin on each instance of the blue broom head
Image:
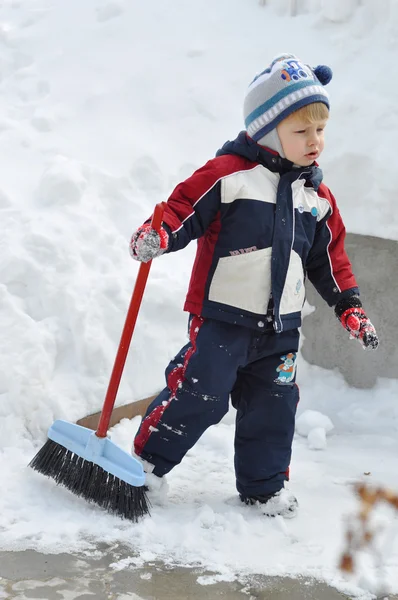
(100, 451)
(94, 469)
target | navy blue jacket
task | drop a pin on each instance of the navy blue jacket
(262, 226)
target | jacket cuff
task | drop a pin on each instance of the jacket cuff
(347, 303)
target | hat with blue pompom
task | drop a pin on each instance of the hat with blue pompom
(283, 88)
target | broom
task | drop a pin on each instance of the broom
(88, 463)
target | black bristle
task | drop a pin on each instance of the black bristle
(90, 481)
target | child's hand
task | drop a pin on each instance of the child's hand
(351, 315)
(146, 243)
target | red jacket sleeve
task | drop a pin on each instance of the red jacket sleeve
(195, 203)
(328, 266)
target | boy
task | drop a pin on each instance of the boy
(264, 221)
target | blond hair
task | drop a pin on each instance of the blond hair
(316, 111)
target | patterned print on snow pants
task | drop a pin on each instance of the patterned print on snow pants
(221, 361)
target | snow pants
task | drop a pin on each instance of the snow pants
(222, 360)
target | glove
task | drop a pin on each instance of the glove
(351, 315)
(146, 243)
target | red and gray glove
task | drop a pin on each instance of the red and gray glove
(146, 243)
(351, 315)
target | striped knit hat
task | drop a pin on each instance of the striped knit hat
(281, 89)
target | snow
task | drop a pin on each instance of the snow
(312, 419)
(317, 439)
(314, 426)
(104, 107)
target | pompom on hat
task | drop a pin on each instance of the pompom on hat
(284, 87)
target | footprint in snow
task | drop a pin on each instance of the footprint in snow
(62, 183)
(42, 124)
(194, 53)
(43, 88)
(147, 175)
(21, 61)
(5, 202)
(109, 11)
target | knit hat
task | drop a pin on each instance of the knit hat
(281, 89)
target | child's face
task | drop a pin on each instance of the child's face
(302, 142)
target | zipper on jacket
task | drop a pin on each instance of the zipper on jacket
(278, 326)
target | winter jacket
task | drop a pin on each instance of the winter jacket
(262, 226)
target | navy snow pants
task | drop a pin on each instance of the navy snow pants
(221, 360)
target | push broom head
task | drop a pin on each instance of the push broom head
(93, 468)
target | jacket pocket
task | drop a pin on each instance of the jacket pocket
(293, 295)
(243, 281)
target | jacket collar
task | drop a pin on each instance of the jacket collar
(244, 146)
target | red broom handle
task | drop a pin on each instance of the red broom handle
(127, 333)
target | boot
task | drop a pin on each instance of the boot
(281, 503)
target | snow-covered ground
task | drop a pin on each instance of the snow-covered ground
(104, 106)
